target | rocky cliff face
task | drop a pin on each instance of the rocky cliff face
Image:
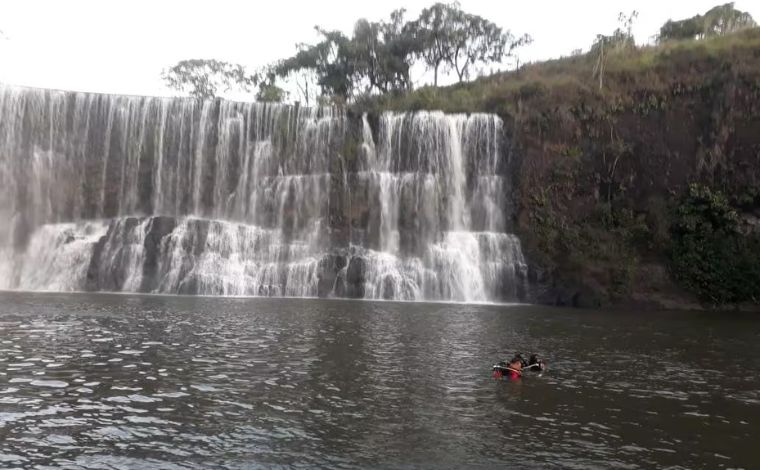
(602, 174)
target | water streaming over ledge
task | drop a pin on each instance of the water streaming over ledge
(143, 194)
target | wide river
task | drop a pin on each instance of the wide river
(116, 381)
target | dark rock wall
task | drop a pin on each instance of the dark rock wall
(601, 174)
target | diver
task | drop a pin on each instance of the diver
(536, 364)
(515, 367)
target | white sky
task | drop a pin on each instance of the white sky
(121, 47)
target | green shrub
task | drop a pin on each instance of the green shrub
(709, 254)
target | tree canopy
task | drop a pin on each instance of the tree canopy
(458, 40)
(376, 58)
(203, 78)
(718, 21)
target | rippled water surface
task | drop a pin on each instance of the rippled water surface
(113, 381)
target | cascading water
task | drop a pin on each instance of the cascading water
(118, 193)
(441, 184)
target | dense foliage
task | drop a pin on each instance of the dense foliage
(718, 21)
(377, 57)
(710, 254)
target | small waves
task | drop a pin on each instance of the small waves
(93, 381)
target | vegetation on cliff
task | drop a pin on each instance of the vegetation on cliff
(711, 252)
(718, 21)
(626, 70)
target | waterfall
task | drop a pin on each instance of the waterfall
(441, 182)
(176, 195)
(58, 257)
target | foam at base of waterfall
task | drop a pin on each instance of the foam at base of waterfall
(57, 258)
(230, 259)
(213, 257)
(456, 262)
(464, 266)
(237, 259)
(388, 276)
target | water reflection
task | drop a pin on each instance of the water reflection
(171, 382)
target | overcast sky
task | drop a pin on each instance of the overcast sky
(122, 46)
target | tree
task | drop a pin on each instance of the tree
(367, 48)
(269, 92)
(203, 78)
(457, 40)
(306, 83)
(685, 29)
(479, 40)
(718, 21)
(401, 47)
(725, 19)
(621, 39)
(434, 29)
(384, 53)
(331, 59)
(378, 57)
